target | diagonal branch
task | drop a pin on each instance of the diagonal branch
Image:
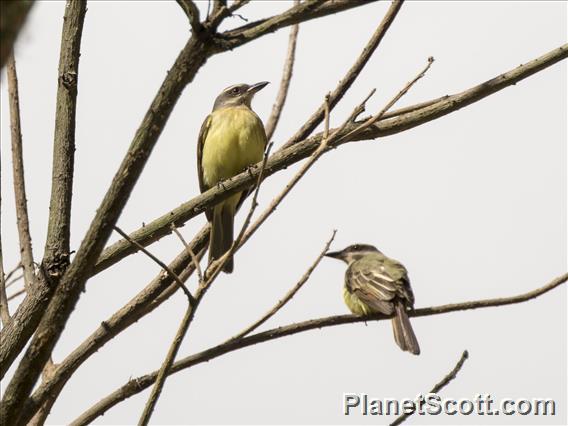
(391, 123)
(137, 385)
(153, 295)
(162, 265)
(19, 181)
(166, 365)
(439, 386)
(305, 11)
(351, 75)
(288, 296)
(274, 118)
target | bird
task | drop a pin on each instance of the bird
(231, 139)
(374, 283)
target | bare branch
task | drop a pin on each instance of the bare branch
(166, 366)
(409, 118)
(221, 11)
(16, 294)
(13, 14)
(274, 118)
(56, 257)
(248, 218)
(288, 296)
(305, 11)
(138, 384)
(389, 105)
(192, 13)
(158, 291)
(160, 263)
(351, 75)
(19, 181)
(30, 311)
(439, 386)
(4, 310)
(190, 252)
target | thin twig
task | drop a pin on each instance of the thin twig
(166, 366)
(351, 75)
(151, 297)
(190, 252)
(14, 280)
(372, 120)
(16, 294)
(438, 387)
(13, 271)
(139, 384)
(4, 309)
(288, 296)
(159, 262)
(274, 118)
(19, 181)
(221, 11)
(254, 202)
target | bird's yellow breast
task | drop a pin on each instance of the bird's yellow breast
(355, 304)
(234, 141)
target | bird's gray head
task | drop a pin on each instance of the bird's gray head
(238, 94)
(353, 252)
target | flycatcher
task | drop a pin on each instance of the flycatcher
(376, 284)
(231, 139)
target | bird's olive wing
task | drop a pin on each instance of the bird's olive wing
(373, 288)
(200, 141)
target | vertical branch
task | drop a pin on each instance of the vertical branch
(4, 311)
(166, 366)
(438, 387)
(13, 14)
(285, 82)
(56, 257)
(19, 182)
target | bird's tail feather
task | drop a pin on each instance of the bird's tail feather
(221, 237)
(403, 334)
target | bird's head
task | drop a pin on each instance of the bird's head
(353, 252)
(238, 94)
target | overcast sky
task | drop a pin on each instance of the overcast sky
(474, 204)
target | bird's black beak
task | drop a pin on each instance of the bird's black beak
(257, 87)
(334, 254)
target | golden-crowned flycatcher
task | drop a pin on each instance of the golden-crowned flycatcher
(232, 138)
(375, 283)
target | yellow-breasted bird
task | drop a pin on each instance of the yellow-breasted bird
(232, 138)
(375, 283)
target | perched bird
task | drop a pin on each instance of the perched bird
(376, 284)
(231, 139)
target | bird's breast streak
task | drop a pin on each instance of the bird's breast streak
(234, 141)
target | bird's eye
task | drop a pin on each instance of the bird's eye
(235, 91)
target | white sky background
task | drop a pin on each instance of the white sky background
(474, 204)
